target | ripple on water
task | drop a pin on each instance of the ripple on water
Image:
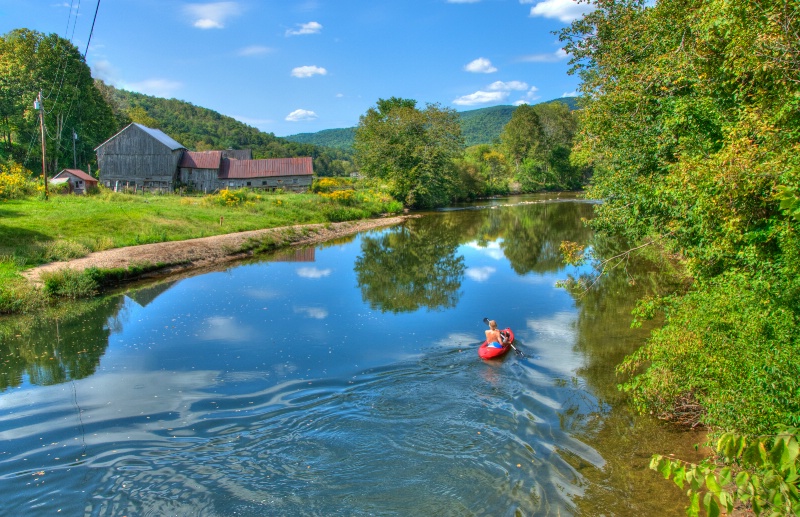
(420, 437)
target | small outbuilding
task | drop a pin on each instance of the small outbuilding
(78, 180)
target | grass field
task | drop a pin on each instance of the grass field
(34, 231)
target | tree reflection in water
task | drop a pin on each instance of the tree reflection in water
(411, 267)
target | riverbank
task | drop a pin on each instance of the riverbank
(170, 257)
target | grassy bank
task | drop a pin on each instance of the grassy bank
(35, 232)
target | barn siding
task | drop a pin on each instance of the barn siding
(134, 159)
(201, 180)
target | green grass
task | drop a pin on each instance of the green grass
(35, 232)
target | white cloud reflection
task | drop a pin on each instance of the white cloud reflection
(313, 272)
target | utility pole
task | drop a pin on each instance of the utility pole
(74, 160)
(37, 104)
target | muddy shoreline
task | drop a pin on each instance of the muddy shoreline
(166, 258)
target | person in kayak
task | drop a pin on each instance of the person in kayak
(494, 337)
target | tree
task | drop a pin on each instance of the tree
(32, 62)
(523, 135)
(693, 128)
(412, 150)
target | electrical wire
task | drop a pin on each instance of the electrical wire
(92, 30)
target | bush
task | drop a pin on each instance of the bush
(63, 250)
(15, 181)
(730, 346)
(19, 296)
(68, 283)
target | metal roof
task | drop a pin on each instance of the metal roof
(155, 133)
(264, 168)
(201, 160)
(77, 173)
(160, 136)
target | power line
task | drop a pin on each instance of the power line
(92, 29)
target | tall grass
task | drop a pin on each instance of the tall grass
(34, 231)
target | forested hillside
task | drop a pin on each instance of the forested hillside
(80, 113)
(480, 126)
(202, 129)
(335, 138)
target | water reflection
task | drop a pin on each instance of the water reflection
(342, 380)
(411, 267)
(66, 346)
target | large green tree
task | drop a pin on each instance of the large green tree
(30, 63)
(413, 150)
(538, 140)
(693, 127)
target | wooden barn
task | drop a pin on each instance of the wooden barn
(139, 158)
(143, 159)
(200, 170)
(292, 174)
(78, 180)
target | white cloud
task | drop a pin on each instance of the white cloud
(219, 328)
(490, 249)
(300, 115)
(573, 93)
(480, 97)
(105, 71)
(500, 86)
(305, 28)
(213, 15)
(156, 87)
(480, 66)
(308, 71)
(317, 313)
(312, 272)
(254, 50)
(553, 57)
(529, 97)
(480, 274)
(563, 10)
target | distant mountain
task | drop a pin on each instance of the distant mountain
(202, 129)
(479, 126)
(336, 138)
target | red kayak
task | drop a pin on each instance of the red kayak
(489, 352)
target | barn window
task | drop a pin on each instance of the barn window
(264, 182)
(248, 183)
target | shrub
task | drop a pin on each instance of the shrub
(63, 250)
(19, 296)
(69, 283)
(15, 181)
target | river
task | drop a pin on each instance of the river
(343, 379)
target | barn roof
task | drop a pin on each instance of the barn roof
(160, 136)
(201, 159)
(77, 173)
(271, 167)
(155, 133)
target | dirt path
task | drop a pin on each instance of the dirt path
(196, 253)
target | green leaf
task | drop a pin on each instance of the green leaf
(712, 484)
(679, 475)
(725, 476)
(694, 505)
(712, 508)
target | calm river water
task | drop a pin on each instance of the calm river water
(344, 380)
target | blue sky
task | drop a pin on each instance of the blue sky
(290, 67)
